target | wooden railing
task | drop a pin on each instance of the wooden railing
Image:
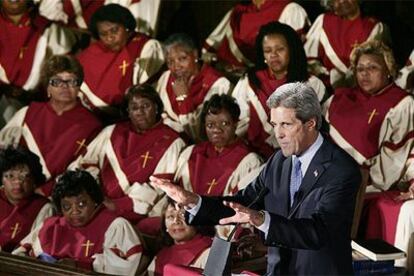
(11, 265)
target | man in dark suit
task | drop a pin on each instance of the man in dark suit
(306, 215)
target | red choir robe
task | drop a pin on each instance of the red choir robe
(239, 29)
(16, 221)
(109, 74)
(256, 135)
(186, 113)
(206, 171)
(330, 41)
(57, 140)
(375, 130)
(105, 234)
(80, 12)
(124, 160)
(18, 48)
(185, 254)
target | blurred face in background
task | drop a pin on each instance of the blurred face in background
(176, 227)
(348, 9)
(142, 113)
(276, 54)
(14, 7)
(182, 62)
(220, 128)
(371, 73)
(18, 183)
(78, 210)
(113, 35)
(63, 88)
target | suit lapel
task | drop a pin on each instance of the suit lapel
(316, 168)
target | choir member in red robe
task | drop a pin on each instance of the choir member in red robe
(58, 130)
(77, 14)
(374, 123)
(184, 245)
(280, 59)
(21, 210)
(119, 58)
(26, 41)
(332, 37)
(86, 233)
(123, 157)
(232, 42)
(223, 164)
(187, 85)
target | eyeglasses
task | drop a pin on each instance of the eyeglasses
(369, 69)
(136, 107)
(61, 83)
(21, 176)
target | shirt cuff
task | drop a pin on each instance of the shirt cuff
(193, 211)
(265, 225)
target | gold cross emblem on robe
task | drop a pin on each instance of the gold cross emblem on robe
(81, 145)
(372, 114)
(124, 67)
(211, 185)
(146, 156)
(87, 245)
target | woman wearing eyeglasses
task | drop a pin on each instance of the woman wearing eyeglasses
(84, 234)
(58, 130)
(21, 210)
(217, 166)
(374, 123)
(124, 155)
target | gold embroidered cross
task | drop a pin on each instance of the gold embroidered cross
(146, 157)
(21, 52)
(15, 229)
(123, 67)
(372, 114)
(81, 145)
(211, 185)
(87, 245)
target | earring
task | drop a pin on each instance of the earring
(48, 95)
(196, 60)
(265, 61)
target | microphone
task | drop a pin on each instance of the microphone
(261, 194)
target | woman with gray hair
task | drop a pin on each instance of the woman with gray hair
(374, 123)
(187, 85)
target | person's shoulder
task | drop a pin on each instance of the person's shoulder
(339, 156)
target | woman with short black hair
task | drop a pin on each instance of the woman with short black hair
(85, 232)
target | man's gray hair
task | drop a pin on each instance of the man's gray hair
(300, 97)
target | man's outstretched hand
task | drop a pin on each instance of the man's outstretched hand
(175, 192)
(243, 215)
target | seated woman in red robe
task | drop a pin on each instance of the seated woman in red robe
(185, 245)
(57, 130)
(280, 59)
(86, 234)
(187, 85)
(26, 41)
(374, 123)
(332, 37)
(119, 58)
(21, 210)
(232, 42)
(124, 155)
(221, 165)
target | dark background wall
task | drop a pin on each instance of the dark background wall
(198, 18)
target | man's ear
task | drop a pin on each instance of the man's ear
(311, 123)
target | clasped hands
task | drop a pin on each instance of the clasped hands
(189, 200)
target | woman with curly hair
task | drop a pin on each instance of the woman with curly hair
(21, 210)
